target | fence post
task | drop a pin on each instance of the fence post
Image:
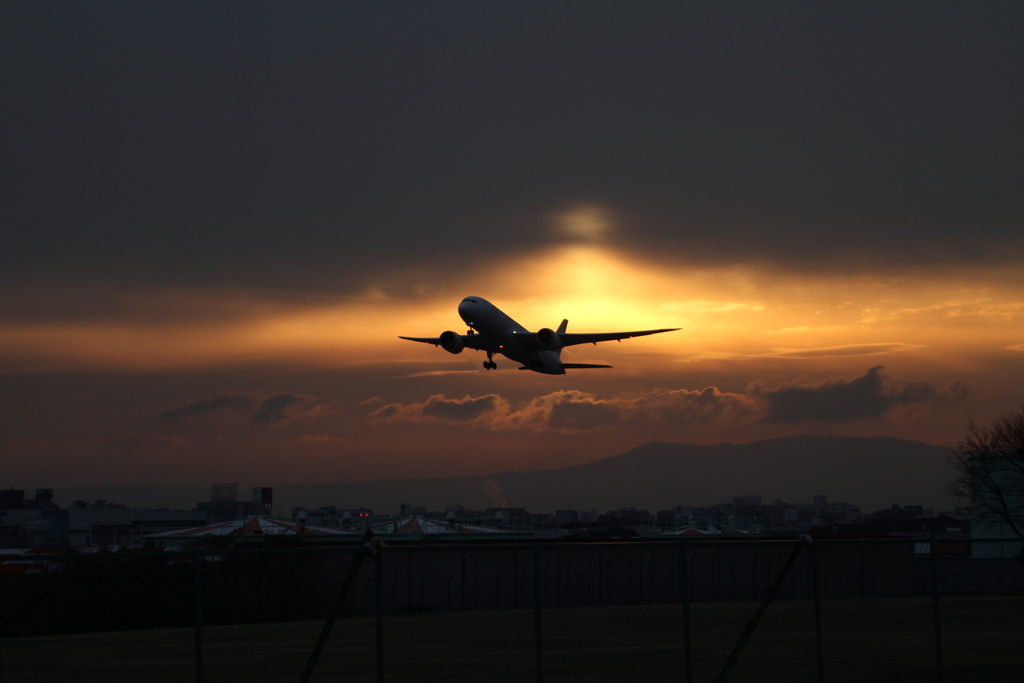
(935, 600)
(515, 577)
(378, 575)
(684, 587)
(197, 605)
(538, 606)
(640, 574)
(819, 633)
(462, 578)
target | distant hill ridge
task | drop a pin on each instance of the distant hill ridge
(872, 472)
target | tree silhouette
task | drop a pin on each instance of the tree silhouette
(990, 471)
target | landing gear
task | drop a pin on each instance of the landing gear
(490, 365)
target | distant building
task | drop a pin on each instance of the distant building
(628, 517)
(12, 499)
(115, 525)
(263, 496)
(224, 493)
(224, 503)
(566, 517)
(41, 528)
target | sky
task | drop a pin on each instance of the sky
(218, 218)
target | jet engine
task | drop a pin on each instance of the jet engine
(548, 339)
(452, 342)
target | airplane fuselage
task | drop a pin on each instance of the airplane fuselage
(501, 331)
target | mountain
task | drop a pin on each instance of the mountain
(871, 472)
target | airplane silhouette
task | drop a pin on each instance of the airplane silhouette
(492, 331)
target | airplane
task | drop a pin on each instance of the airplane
(492, 331)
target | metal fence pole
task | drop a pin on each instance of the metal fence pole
(515, 578)
(935, 600)
(538, 606)
(378, 575)
(462, 578)
(684, 587)
(640, 574)
(197, 605)
(819, 634)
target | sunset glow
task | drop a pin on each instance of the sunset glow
(215, 236)
(725, 313)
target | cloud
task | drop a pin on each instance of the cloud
(262, 409)
(585, 223)
(845, 350)
(274, 409)
(137, 442)
(319, 439)
(581, 412)
(577, 411)
(841, 400)
(903, 180)
(437, 373)
(574, 411)
(207, 405)
(438, 408)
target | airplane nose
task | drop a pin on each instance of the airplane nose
(469, 309)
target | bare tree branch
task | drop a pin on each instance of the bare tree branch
(990, 471)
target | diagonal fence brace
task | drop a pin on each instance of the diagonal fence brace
(749, 630)
(369, 546)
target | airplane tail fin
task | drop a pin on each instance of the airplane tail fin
(563, 326)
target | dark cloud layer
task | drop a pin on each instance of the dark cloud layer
(206, 405)
(843, 400)
(140, 442)
(274, 408)
(262, 145)
(262, 411)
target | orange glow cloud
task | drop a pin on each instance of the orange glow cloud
(724, 313)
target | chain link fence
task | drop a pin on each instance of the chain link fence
(924, 610)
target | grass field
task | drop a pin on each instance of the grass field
(864, 640)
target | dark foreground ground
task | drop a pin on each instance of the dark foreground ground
(864, 640)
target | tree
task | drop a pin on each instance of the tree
(989, 466)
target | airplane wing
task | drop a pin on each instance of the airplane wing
(477, 342)
(573, 338)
